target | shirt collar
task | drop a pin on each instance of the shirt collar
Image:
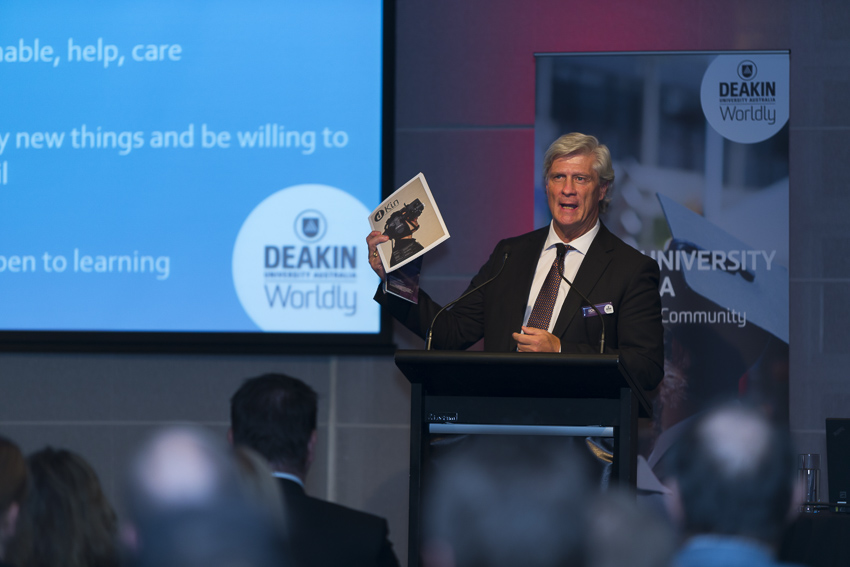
(582, 243)
(288, 476)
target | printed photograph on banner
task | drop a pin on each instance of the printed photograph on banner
(700, 149)
(412, 220)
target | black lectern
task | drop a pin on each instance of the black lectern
(510, 393)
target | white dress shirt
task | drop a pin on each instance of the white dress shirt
(572, 262)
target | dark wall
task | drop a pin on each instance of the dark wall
(465, 114)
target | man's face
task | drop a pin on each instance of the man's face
(574, 192)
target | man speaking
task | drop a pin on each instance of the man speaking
(529, 306)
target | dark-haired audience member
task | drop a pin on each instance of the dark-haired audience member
(734, 488)
(508, 502)
(65, 519)
(188, 506)
(13, 486)
(275, 415)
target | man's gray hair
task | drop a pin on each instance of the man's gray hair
(577, 143)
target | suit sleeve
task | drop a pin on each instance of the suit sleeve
(457, 328)
(640, 333)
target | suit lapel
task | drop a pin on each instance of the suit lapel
(594, 264)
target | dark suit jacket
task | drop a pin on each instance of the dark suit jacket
(612, 271)
(323, 534)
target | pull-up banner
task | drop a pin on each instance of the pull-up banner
(700, 148)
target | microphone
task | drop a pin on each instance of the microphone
(449, 304)
(598, 313)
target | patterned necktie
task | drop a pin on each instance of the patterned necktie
(541, 313)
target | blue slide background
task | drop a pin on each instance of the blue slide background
(305, 66)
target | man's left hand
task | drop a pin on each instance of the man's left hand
(536, 340)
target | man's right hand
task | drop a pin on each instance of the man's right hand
(536, 340)
(372, 241)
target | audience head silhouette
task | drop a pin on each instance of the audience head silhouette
(735, 475)
(65, 518)
(275, 415)
(189, 507)
(508, 501)
(624, 533)
(13, 486)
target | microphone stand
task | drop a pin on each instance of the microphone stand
(598, 313)
(449, 304)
